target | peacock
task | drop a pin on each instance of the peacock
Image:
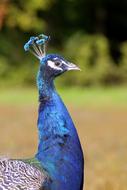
(59, 161)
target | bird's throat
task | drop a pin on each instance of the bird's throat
(45, 87)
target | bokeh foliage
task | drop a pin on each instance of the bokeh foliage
(89, 33)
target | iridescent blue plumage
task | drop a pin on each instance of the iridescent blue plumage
(58, 164)
(59, 150)
(59, 147)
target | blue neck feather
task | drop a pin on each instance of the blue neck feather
(59, 149)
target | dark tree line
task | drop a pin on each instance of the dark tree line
(63, 18)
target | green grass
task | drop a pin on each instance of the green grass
(92, 97)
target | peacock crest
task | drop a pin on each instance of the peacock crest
(37, 45)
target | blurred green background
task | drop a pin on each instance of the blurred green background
(93, 35)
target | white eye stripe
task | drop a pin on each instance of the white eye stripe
(52, 65)
(55, 58)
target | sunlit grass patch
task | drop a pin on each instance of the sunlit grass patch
(89, 97)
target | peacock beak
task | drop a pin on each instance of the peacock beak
(72, 66)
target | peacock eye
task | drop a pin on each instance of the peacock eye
(58, 64)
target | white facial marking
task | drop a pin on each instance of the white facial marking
(55, 58)
(52, 65)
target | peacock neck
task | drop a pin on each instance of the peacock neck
(59, 149)
(46, 87)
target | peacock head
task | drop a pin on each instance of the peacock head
(51, 65)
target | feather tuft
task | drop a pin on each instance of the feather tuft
(36, 45)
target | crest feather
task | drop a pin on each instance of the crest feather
(37, 45)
